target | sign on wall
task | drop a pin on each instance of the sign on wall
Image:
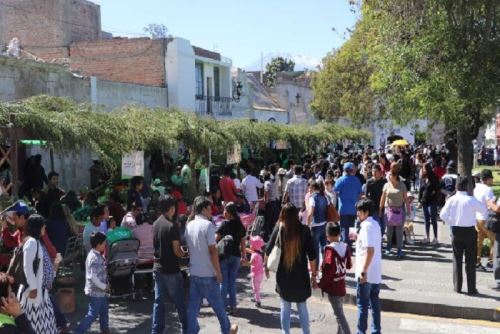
(133, 164)
(234, 155)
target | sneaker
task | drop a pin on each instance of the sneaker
(231, 310)
(257, 304)
(435, 242)
(489, 265)
(425, 241)
(234, 329)
(400, 254)
(388, 251)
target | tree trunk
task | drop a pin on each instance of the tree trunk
(465, 154)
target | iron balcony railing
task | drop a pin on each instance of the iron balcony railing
(213, 105)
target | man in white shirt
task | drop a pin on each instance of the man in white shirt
(368, 267)
(484, 194)
(460, 213)
(249, 186)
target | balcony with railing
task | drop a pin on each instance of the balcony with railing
(212, 105)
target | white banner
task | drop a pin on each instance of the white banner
(234, 155)
(133, 164)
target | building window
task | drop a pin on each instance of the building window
(216, 83)
(199, 78)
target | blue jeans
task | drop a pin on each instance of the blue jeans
(168, 286)
(229, 268)
(205, 287)
(319, 239)
(381, 222)
(430, 216)
(98, 307)
(286, 310)
(346, 222)
(367, 296)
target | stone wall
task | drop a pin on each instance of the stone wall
(112, 94)
(20, 79)
(46, 28)
(135, 60)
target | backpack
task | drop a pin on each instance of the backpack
(225, 247)
(16, 266)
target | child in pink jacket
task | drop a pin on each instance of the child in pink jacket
(257, 266)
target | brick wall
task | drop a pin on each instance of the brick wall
(135, 60)
(47, 27)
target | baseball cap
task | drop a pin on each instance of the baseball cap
(348, 166)
(18, 207)
(486, 174)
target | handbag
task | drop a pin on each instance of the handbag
(16, 266)
(332, 215)
(225, 246)
(394, 216)
(493, 222)
(274, 259)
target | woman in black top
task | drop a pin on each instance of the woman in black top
(429, 193)
(293, 283)
(134, 192)
(230, 266)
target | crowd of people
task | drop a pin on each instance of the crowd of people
(311, 215)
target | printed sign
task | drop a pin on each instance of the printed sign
(133, 164)
(234, 155)
(281, 144)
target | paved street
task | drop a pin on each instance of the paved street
(422, 280)
(135, 318)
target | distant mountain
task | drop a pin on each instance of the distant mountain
(302, 62)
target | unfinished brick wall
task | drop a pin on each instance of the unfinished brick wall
(47, 27)
(135, 60)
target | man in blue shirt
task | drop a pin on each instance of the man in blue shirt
(348, 188)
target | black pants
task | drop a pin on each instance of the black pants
(464, 240)
(271, 216)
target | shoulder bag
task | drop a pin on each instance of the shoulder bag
(16, 266)
(332, 214)
(274, 259)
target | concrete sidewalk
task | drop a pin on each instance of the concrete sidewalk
(422, 282)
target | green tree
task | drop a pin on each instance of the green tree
(156, 30)
(277, 65)
(433, 59)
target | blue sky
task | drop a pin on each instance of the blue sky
(238, 29)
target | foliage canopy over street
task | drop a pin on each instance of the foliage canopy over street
(66, 125)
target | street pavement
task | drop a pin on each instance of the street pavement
(134, 317)
(421, 283)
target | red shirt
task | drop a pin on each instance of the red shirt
(227, 189)
(333, 270)
(181, 205)
(13, 240)
(439, 172)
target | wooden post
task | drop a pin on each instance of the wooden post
(14, 156)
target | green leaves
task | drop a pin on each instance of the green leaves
(277, 65)
(66, 125)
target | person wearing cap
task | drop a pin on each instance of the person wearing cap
(460, 213)
(20, 212)
(349, 189)
(484, 194)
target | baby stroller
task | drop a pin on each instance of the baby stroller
(122, 261)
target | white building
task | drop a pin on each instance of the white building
(198, 80)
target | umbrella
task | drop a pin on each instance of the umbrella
(400, 142)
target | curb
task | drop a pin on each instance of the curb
(430, 309)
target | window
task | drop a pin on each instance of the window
(216, 83)
(199, 79)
